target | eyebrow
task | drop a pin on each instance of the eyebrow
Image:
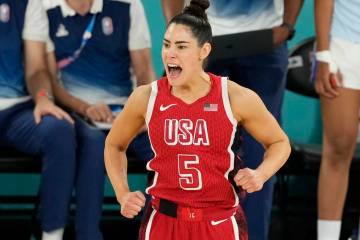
(177, 42)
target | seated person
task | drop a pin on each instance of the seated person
(91, 58)
(92, 46)
(31, 123)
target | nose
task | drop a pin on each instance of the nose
(171, 53)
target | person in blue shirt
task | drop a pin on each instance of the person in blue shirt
(338, 84)
(263, 72)
(30, 122)
(97, 49)
(98, 46)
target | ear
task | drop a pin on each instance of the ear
(205, 51)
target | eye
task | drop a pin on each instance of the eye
(181, 47)
(166, 45)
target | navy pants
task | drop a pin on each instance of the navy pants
(72, 161)
(264, 74)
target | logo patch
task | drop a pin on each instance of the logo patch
(61, 31)
(214, 223)
(210, 107)
(4, 13)
(107, 26)
(164, 108)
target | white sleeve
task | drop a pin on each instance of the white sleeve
(36, 26)
(49, 45)
(139, 36)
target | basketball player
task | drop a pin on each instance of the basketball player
(192, 117)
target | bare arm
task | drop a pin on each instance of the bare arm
(142, 66)
(38, 81)
(326, 84)
(125, 128)
(291, 12)
(323, 16)
(36, 74)
(96, 112)
(171, 8)
(61, 95)
(250, 111)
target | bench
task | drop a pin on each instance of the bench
(14, 162)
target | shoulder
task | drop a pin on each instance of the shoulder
(138, 100)
(140, 96)
(142, 92)
(242, 100)
(239, 92)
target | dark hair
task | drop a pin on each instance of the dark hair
(195, 18)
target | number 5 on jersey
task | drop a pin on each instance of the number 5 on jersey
(189, 175)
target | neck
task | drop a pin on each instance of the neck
(198, 87)
(82, 7)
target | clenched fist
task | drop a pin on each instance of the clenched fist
(250, 180)
(132, 203)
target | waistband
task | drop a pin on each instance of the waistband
(172, 209)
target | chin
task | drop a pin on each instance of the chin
(175, 81)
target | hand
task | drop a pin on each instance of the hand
(326, 83)
(131, 204)
(250, 180)
(44, 107)
(280, 35)
(99, 112)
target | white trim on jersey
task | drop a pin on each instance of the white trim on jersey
(227, 107)
(148, 226)
(235, 227)
(149, 111)
(151, 103)
(226, 101)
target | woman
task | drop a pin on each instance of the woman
(191, 118)
(338, 83)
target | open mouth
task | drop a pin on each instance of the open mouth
(174, 70)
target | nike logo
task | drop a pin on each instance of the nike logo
(164, 108)
(218, 222)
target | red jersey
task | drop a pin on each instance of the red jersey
(192, 146)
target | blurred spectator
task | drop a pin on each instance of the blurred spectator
(338, 83)
(94, 44)
(29, 120)
(264, 73)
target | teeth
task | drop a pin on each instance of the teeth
(172, 65)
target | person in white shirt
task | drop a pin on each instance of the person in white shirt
(338, 84)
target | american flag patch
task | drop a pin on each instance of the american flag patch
(210, 107)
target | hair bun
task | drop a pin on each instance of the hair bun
(194, 17)
(197, 8)
(203, 4)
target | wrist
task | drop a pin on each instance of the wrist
(322, 43)
(264, 176)
(44, 94)
(325, 57)
(121, 195)
(290, 28)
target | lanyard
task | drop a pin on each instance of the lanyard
(85, 38)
